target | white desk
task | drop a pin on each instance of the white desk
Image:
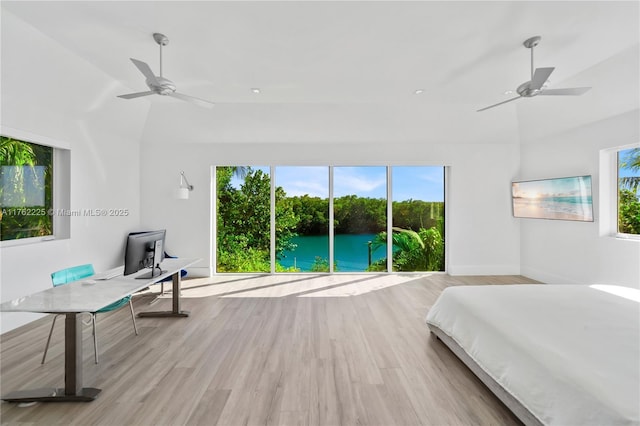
(76, 298)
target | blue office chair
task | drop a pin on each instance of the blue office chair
(76, 273)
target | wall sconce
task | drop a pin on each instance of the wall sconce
(185, 187)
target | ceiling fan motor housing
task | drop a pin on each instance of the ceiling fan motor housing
(165, 87)
(526, 91)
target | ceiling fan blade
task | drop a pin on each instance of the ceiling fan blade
(573, 91)
(135, 95)
(144, 69)
(539, 77)
(193, 100)
(499, 103)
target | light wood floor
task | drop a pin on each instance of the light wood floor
(269, 350)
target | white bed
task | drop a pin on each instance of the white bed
(555, 354)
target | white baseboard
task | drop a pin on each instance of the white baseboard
(546, 277)
(198, 272)
(484, 270)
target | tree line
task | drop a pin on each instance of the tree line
(361, 215)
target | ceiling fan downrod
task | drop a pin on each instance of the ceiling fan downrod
(162, 40)
(530, 43)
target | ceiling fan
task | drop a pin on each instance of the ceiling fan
(536, 86)
(160, 85)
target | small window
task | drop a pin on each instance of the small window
(26, 194)
(629, 191)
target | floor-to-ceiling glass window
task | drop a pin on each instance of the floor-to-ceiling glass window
(323, 219)
(418, 218)
(360, 218)
(302, 219)
(243, 219)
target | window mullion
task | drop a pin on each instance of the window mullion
(272, 250)
(331, 221)
(389, 219)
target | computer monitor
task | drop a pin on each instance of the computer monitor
(144, 250)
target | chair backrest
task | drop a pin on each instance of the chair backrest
(72, 274)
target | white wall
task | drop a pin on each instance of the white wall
(105, 158)
(483, 237)
(577, 252)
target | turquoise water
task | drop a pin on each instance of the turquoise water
(569, 200)
(351, 252)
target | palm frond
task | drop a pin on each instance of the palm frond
(632, 160)
(411, 234)
(631, 183)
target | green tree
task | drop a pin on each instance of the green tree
(243, 221)
(286, 222)
(313, 214)
(359, 215)
(632, 162)
(16, 153)
(628, 198)
(412, 251)
(321, 264)
(16, 221)
(253, 210)
(416, 214)
(628, 212)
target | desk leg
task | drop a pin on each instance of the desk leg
(73, 390)
(176, 311)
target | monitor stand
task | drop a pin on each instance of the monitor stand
(155, 272)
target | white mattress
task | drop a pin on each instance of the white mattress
(569, 353)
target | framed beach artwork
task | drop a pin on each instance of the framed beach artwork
(566, 198)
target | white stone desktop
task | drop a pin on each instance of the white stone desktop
(88, 295)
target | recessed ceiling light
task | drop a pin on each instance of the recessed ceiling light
(255, 90)
(419, 91)
(508, 92)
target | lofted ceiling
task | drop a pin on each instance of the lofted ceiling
(348, 71)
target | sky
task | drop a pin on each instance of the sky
(626, 172)
(560, 187)
(424, 183)
(408, 182)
